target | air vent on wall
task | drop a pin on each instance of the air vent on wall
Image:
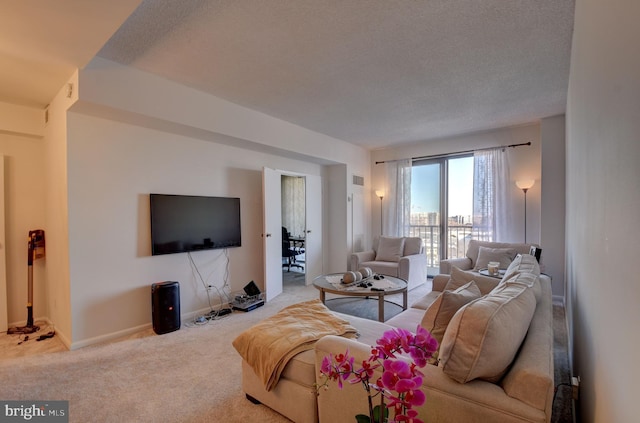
(358, 180)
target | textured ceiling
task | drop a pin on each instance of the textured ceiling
(371, 72)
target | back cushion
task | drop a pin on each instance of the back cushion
(412, 246)
(474, 247)
(390, 249)
(437, 317)
(504, 256)
(460, 277)
(523, 263)
(484, 336)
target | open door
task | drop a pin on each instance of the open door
(272, 232)
(313, 232)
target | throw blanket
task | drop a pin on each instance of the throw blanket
(269, 345)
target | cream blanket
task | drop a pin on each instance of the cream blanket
(269, 345)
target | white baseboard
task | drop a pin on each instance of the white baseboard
(109, 337)
(114, 335)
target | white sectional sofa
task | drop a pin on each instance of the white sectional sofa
(495, 359)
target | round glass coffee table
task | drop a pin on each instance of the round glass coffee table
(387, 285)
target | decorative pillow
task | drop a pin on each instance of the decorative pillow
(484, 336)
(503, 255)
(440, 312)
(523, 263)
(412, 245)
(461, 277)
(390, 249)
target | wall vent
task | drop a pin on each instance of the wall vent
(358, 180)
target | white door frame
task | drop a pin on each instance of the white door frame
(272, 232)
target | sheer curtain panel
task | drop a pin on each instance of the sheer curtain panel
(490, 195)
(396, 212)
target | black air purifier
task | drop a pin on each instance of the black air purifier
(165, 306)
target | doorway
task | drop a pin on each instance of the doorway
(293, 210)
(273, 224)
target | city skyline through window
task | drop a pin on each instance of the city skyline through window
(433, 195)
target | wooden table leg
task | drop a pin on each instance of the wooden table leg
(380, 308)
(405, 297)
(322, 296)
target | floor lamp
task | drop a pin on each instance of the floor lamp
(380, 194)
(524, 186)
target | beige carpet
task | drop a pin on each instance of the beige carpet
(191, 375)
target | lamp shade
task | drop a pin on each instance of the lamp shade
(379, 193)
(525, 184)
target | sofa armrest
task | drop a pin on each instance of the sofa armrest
(413, 269)
(357, 258)
(463, 263)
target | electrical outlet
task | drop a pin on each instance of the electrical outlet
(575, 387)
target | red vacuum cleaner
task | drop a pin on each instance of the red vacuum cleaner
(36, 251)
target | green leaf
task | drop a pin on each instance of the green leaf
(376, 414)
(361, 418)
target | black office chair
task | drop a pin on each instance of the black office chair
(289, 252)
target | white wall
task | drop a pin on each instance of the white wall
(112, 169)
(130, 134)
(603, 203)
(57, 212)
(21, 146)
(552, 210)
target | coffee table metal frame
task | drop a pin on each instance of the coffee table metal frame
(325, 287)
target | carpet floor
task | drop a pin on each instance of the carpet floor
(190, 375)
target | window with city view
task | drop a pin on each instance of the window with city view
(442, 187)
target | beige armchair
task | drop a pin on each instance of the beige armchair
(402, 257)
(475, 261)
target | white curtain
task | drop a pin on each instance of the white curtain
(396, 211)
(293, 204)
(491, 183)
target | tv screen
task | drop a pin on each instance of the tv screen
(183, 223)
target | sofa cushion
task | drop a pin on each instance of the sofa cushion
(437, 317)
(525, 270)
(502, 255)
(408, 319)
(528, 279)
(459, 278)
(474, 248)
(483, 337)
(412, 245)
(390, 249)
(424, 302)
(523, 263)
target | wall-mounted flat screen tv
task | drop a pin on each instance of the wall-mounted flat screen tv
(183, 223)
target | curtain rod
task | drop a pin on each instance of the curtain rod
(458, 153)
